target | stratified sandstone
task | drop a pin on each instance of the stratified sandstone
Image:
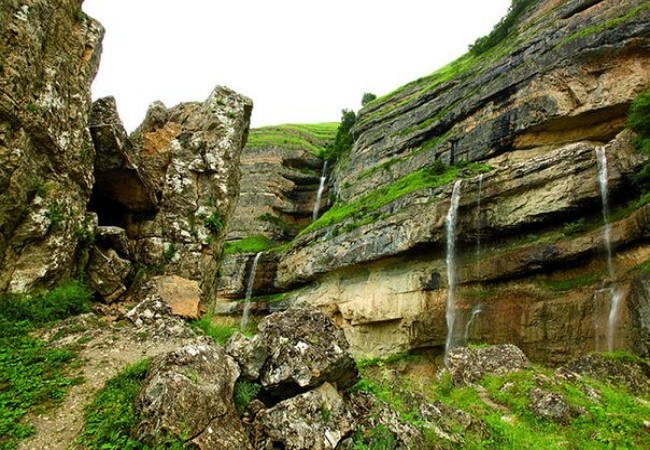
(531, 268)
(49, 54)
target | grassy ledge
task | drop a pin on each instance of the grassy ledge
(313, 138)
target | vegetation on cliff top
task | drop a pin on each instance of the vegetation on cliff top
(314, 138)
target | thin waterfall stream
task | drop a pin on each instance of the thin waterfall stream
(476, 310)
(319, 195)
(615, 295)
(249, 292)
(450, 222)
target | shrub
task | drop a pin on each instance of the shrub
(245, 392)
(213, 222)
(504, 28)
(367, 98)
(344, 140)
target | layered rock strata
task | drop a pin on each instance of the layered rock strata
(530, 234)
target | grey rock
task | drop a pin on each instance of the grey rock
(301, 348)
(108, 273)
(316, 420)
(188, 394)
(552, 406)
(469, 365)
(629, 372)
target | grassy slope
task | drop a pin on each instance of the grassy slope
(311, 137)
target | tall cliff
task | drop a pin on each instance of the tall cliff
(49, 55)
(77, 195)
(515, 127)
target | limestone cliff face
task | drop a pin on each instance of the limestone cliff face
(171, 187)
(49, 54)
(281, 172)
(530, 264)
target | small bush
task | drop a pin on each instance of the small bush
(213, 222)
(245, 392)
(367, 98)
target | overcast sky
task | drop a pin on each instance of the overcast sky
(300, 61)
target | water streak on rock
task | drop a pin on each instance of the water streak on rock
(249, 292)
(450, 222)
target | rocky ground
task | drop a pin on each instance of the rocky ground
(310, 393)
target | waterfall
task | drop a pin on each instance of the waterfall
(615, 295)
(612, 320)
(249, 292)
(319, 196)
(450, 222)
(476, 310)
(478, 216)
(602, 183)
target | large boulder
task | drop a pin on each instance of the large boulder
(317, 420)
(49, 54)
(468, 365)
(188, 394)
(295, 350)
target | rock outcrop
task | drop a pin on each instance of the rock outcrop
(49, 55)
(468, 365)
(189, 392)
(172, 186)
(294, 351)
(521, 126)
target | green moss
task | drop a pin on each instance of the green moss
(213, 222)
(361, 208)
(612, 23)
(250, 244)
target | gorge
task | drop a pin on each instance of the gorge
(491, 214)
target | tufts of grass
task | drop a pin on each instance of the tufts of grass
(219, 331)
(250, 244)
(111, 416)
(427, 177)
(573, 283)
(245, 392)
(33, 375)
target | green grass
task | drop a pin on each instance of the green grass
(219, 331)
(33, 376)
(614, 421)
(363, 207)
(250, 244)
(573, 283)
(612, 23)
(111, 416)
(313, 138)
(245, 392)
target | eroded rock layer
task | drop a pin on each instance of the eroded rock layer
(520, 125)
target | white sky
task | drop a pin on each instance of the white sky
(300, 61)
